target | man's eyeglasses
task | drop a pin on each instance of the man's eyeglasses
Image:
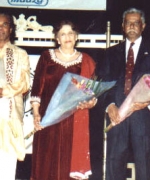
(5, 25)
(135, 24)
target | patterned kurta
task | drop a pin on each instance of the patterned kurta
(53, 154)
(17, 71)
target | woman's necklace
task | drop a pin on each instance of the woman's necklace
(67, 55)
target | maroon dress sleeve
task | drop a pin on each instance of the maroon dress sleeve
(39, 77)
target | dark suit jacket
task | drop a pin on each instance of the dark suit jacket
(114, 69)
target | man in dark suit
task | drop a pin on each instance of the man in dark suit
(134, 132)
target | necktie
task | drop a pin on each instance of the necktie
(129, 69)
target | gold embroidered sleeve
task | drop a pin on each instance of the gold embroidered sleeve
(21, 79)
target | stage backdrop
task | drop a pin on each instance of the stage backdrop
(56, 4)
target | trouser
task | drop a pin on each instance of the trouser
(7, 166)
(119, 140)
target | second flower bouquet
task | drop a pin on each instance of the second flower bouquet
(139, 94)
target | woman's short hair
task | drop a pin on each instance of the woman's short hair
(58, 26)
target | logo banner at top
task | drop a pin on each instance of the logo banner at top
(56, 4)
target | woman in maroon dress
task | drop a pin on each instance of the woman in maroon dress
(61, 151)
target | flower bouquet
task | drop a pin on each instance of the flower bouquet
(139, 94)
(71, 90)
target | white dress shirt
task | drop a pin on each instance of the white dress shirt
(135, 47)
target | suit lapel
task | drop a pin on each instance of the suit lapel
(122, 56)
(143, 50)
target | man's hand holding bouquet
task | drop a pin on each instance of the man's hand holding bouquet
(138, 98)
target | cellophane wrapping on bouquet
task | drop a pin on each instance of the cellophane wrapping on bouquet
(139, 94)
(71, 90)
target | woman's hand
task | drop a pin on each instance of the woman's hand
(87, 104)
(37, 119)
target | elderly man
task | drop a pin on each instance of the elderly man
(126, 63)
